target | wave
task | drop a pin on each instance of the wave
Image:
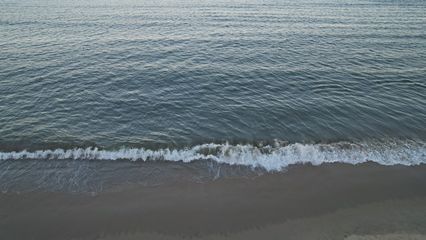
(270, 157)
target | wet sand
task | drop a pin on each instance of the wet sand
(331, 201)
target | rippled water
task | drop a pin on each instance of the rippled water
(175, 73)
(178, 74)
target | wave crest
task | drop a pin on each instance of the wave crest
(269, 157)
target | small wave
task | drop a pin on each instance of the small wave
(270, 157)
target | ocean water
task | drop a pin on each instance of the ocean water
(252, 84)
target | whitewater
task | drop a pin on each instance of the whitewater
(272, 157)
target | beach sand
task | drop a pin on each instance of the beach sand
(331, 201)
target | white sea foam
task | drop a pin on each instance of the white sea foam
(270, 157)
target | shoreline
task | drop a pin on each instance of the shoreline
(347, 195)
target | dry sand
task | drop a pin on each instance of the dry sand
(332, 201)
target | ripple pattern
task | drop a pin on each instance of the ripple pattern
(182, 73)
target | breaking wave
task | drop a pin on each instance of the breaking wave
(270, 157)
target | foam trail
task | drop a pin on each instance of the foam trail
(269, 157)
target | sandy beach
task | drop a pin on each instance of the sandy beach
(212, 120)
(331, 201)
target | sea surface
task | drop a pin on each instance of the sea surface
(206, 89)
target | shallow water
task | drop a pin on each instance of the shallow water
(175, 75)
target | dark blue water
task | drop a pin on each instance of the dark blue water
(313, 80)
(181, 73)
